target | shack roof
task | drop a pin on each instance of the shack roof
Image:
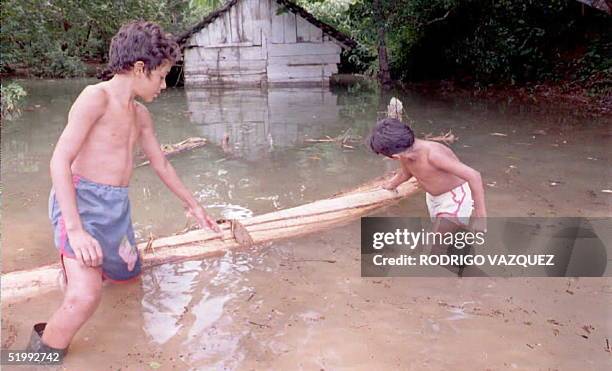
(342, 38)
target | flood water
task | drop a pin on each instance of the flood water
(278, 306)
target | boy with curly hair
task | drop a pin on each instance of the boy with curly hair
(91, 169)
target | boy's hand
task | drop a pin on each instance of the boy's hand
(389, 186)
(204, 220)
(86, 249)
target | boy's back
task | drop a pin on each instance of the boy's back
(423, 164)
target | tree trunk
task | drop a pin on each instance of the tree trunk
(384, 76)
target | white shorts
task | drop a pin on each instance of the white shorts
(456, 203)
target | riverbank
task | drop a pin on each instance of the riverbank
(591, 97)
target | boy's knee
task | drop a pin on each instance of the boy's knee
(83, 301)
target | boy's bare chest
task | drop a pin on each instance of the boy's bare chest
(117, 129)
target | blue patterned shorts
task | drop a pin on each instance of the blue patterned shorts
(105, 214)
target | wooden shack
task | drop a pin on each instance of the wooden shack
(259, 43)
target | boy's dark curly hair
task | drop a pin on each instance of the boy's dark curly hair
(139, 41)
(389, 137)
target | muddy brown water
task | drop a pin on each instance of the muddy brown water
(284, 305)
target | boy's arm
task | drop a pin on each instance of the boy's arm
(85, 112)
(166, 172)
(401, 175)
(465, 172)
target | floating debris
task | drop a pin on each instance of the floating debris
(499, 134)
(446, 138)
(342, 140)
(173, 149)
(588, 328)
(509, 169)
(395, 109)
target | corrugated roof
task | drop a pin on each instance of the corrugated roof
(294, 8)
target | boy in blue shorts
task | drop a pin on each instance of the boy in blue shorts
(91, 169)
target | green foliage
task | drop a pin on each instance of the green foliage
(511, 39)
(598, 57)
(50, 38)
(198, 9)
(594, 68)
(480, 40)
(354, 18)
(58, 63)
(12, 95)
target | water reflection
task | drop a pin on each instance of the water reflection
(252, 123)
(168, 290)
(186, 306)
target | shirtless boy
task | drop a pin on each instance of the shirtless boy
(91, 169)
(453, 189)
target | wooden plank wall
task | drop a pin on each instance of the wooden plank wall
(257, 43)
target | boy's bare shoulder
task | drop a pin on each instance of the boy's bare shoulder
(96, 90)
(439, 152)
(94, 97)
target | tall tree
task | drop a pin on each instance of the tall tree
(384, 74)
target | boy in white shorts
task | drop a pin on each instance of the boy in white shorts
(455, 195)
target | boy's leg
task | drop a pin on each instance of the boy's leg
(442, 225)
(82, 296)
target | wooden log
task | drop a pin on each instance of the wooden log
(174, 149)
(198, 244)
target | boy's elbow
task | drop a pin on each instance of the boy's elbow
(160, 166)
(55, 163)
(476, 177)
(59, 161)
